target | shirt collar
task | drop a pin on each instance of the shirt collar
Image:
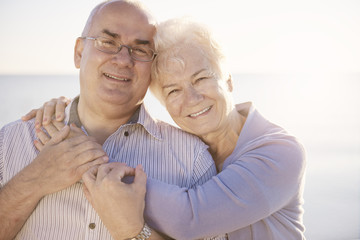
(149, 123)
(141, 116)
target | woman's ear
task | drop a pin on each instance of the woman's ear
(79, 47)
(230, 83)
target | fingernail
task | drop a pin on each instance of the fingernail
(58, 116)
(105, 159)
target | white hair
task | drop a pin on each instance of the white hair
(175, 34)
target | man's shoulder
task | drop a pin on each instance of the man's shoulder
(18, 127)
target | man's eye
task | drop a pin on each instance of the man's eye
(140, 51)
(108, 43)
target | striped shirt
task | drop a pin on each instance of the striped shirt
(166, 153)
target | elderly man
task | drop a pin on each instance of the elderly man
(41, 196)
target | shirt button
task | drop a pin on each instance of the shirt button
(126, 133)
(92, 225)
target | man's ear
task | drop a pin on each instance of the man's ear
(79, 47)
(229, 82)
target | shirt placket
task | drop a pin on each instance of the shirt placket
(92, 224)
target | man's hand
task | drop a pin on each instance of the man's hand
(119, 205)
(62, 160)
(60, 164)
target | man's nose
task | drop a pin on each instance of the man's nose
(124, 56)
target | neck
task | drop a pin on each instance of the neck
(101, 122)
(222, 142)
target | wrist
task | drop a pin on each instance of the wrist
(31, 183)
(144, 234)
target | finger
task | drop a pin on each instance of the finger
(89, 176)
(60, 108)
(76, 129)
(80, 143)
(39, 117)
(87, 151)
(49, 111)
(42, 136)
(29, 115)
(60, 136)
(140, 178)
(67, 101)
(39, 146)
(120, 171)
(58, 125)
(51, 129)
(103, 171)
(83, 170)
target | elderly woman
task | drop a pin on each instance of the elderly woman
(258, 192)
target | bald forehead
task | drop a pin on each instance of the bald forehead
(123, 7)
(130, 14)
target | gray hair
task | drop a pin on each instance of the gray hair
(175, 34)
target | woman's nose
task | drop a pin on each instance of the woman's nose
(193, 96)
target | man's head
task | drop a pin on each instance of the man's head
(114, 79)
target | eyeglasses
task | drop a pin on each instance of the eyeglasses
(138, 53)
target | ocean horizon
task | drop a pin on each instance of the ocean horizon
(323, 111)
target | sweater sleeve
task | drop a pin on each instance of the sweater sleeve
(1, 157)
(262, 180)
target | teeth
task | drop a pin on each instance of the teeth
(199, 113)
(120, 79)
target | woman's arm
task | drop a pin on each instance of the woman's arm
(262, 181)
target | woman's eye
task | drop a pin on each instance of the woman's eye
(200, 79)
(172, 91)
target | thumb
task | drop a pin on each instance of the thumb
(29, 115)
(76, 129)
(140, 178)
(60, 136)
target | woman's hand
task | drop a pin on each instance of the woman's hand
(120, 205)
(44, 115)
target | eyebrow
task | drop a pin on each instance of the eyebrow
(168, 86)
(196, 73)
(192, 76)
(115, 35)
(111, 34)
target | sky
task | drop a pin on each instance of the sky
(261, 36)
(317, 38)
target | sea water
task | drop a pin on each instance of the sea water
(322, 110)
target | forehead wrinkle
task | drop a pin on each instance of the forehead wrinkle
(115, 35)
(198, 72)
(111, 34)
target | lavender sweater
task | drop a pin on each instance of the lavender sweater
(258, 195)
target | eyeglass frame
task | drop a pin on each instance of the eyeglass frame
(130, 49)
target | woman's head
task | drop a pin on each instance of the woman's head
(189, 76)
(177, 34)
